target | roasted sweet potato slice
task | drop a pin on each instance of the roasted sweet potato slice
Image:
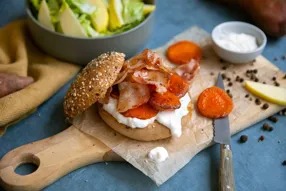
(164, 101)
(144, 111)
(178, 85)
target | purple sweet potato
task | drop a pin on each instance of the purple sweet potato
(10, 83)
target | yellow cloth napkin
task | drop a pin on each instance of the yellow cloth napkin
(18, 55)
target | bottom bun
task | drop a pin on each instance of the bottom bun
(154, 131)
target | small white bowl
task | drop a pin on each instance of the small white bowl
(238, 27)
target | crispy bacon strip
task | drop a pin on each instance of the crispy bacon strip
(132, 95)
(188, 71)
(157, 78)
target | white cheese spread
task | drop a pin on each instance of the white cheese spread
(237, 42)
(171, 119)
(158, 154)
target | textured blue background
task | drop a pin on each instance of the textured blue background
(257, 166)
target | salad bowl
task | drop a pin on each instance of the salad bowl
(81, 50)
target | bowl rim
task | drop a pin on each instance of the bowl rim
(260, 48)
(30, 15)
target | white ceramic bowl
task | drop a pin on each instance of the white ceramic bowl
(238, 27)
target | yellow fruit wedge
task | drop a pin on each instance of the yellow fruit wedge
(100, 16)
(148, 9)
(115, 14)
(270, 93)
(70, 25)
(44, 16)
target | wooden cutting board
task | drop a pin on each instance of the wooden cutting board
(71, 149)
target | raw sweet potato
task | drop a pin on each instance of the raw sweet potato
(10, 83)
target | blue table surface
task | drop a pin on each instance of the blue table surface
(257, 165)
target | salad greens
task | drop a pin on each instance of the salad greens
(93, 17)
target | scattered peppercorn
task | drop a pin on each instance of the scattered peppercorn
(211, 73)
(271, 129)
(223, 76)
(247, 95)
(250, 99)
(257, 101)
(248, 71)
(273, 119)
(255, 71)
(274, 78)
(284, 163)
(243, 138)
(265, 106)
(283, 57)
(275, 59)
(229, 84)
(221, 60)
(266, 127)
(284, 77)
(261, 138)
(256, 80)
(227, 91)
(264, 82)
(224, 67)
(276, 84)
(241, 80)
(228, 79)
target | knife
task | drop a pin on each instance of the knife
(222, 136)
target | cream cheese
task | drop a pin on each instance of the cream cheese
(170, 119)
(158, 154)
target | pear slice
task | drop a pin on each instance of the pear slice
(100, 16)
(70, 25)
(270, 93)
(148, 9)
(44, 16)
(115, 13)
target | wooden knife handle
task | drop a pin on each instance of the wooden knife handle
(226, 178)
(55, 157)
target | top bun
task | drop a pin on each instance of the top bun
(92, 83)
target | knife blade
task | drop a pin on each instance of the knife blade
(221, 125)
(222, 136)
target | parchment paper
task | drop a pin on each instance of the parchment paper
(197, 132)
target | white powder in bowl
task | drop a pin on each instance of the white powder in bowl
(237, 42)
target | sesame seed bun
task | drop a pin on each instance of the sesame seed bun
(154, 131)
(92, 83)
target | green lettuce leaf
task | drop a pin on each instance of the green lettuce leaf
(36, 4)
(86, 24)
(81, 6)
(132, 11)
(54, 7)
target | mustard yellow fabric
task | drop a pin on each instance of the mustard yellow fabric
(18, 55)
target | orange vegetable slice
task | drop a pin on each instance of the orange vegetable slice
(183, 52)
(214, 103)
(165, 101)
(178, 85)
(144, 111)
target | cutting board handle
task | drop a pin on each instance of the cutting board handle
(55, 157)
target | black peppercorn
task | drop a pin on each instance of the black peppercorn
(228, 91)
(284, 77)
(247, 95)
(261, 138)
(243, 138)
(257, 101)
(284, 57)
(221, 60)
(228, 79)
(241, 80)
(264, 82)
(266, 127)
(223, 76)
(276, 84)
(229, 84)
(275, 59)
(284, 163)
(211, 73)
(256, 80)
(273, 119)
(271, 129)
(255, 71)
(274, 78)
(265, 106)
(224, 67)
